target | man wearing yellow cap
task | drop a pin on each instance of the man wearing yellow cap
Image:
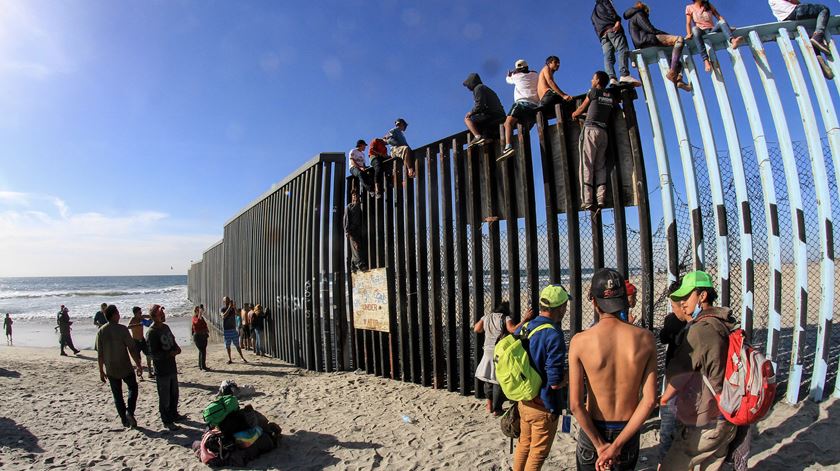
(547, 351)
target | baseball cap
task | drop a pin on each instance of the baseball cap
(521, 64)
(553, 296)
(692, 281)
(609, 290)
(630, 288)
(361, 142)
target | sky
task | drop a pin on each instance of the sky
(132, 130)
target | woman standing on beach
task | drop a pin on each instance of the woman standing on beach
(494, 325)
(257, 326)
(7, 326)
(200, 333)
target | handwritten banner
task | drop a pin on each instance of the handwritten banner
(370, 300)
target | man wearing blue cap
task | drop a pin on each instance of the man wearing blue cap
(618, 360)
(547, 351)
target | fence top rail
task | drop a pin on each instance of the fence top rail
(324, 157)
(220, 242)
(767, 32)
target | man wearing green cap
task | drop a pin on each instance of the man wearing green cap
(618, 360)
(547, 351)
(702, 437)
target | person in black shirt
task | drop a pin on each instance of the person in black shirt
(63, 327)
(163, 348)
(598, 104)
(672, 333)
(487, 111)
(354, 229)
(99, 318)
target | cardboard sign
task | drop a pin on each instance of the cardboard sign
(370, 300)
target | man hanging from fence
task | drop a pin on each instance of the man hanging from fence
(356, 231)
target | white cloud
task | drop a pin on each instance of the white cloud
(40, 235)
(31, 47)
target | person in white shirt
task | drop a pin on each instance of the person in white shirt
(526, 100)
(359, 168)
(793, 10)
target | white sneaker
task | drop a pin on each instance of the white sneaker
(509, 150)
(629, 80)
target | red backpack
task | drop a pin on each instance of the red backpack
(749, 382)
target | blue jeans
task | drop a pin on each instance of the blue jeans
(587, 454)
(667, 427)
(809, 11)
(610, 44)
(697, 34)
(258, 341)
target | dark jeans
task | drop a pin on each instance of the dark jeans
(359, 251)
(496, 396)
(116, 390)
(487, 123)
(697, 34)
(66, 341)
(610, 44)
(378, 171)
(167, 388)
(809, 11)
(587, 455)
(550, 99)
(200, 341)
(365, 179)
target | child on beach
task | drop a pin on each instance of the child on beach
(598, 105)
(7, 326)
(135, 326)
(645, 35)
(526, 100)
(703, 15)
(494, 326)
(607, 25)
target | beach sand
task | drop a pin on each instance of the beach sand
(55, 414)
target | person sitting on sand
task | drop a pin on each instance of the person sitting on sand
(164, 348)
(113, 346)
(610, 364)
(547, 350)
(7, 326)
(135, 326)
(702, 437)
(229, 315)
(63, 327)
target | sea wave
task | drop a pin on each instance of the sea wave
(103, 293)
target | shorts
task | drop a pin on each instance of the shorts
(486, 122)
(231, 337)
(142, 346)
(587, 455)
(523, 111)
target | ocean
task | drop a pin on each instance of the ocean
(34, 302)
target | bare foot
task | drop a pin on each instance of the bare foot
(737, 42)
(708, 65)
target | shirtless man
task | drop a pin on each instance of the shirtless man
(550, 94)
(135, 326)
(614, 360)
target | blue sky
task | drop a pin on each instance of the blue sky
(132, 130)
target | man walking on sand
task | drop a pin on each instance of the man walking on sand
(617, 360)
(64, 323)
(229, 326)
(135, 326)
(547, 351)
(113, 345)
(163, 348)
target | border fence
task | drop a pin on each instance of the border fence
(464, 234)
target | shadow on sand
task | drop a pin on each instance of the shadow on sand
(812, 446)
(4, 373)
(13, 435)
(311, 450)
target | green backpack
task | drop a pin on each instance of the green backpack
(216, 411)
(517, 378)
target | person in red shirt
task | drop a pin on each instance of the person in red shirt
(378, 154)
(200, 333)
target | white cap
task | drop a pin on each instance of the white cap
(521, 64)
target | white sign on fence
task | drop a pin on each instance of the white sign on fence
(370, 300)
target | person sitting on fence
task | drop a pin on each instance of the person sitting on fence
(793, 10)
(525, 102)
(617, 360)
(607, 25)
(703, 436)
(547, 89)
(487, 112)
(598, 104)
(645, 35)
(355, 229)
(703, 14)
(378, 154)
(359, 168)
(399, 146)
(547, 350)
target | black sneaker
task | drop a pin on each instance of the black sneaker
(821, 45)
(826, 69)
(132, 422)
(179, 418)
(63, 354)
(509, 150)
(476, 142)
(172, 426)
(125, 422)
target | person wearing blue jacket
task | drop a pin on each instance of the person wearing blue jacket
(547, 350)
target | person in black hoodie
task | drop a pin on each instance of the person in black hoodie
(486, 112)
(645, 35)
(607, 25)
(354, 229)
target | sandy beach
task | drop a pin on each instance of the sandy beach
(57, 415)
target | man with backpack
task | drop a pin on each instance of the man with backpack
(546, 348)
(618, 360)
(698, 366)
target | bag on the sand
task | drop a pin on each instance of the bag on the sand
(213, 449)
(514, 372)
(228, 388)
(749, 382)
(247, 437)
(216, 411)
(509, 422)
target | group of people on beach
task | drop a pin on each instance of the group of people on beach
(243, 328)
(610, 377)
